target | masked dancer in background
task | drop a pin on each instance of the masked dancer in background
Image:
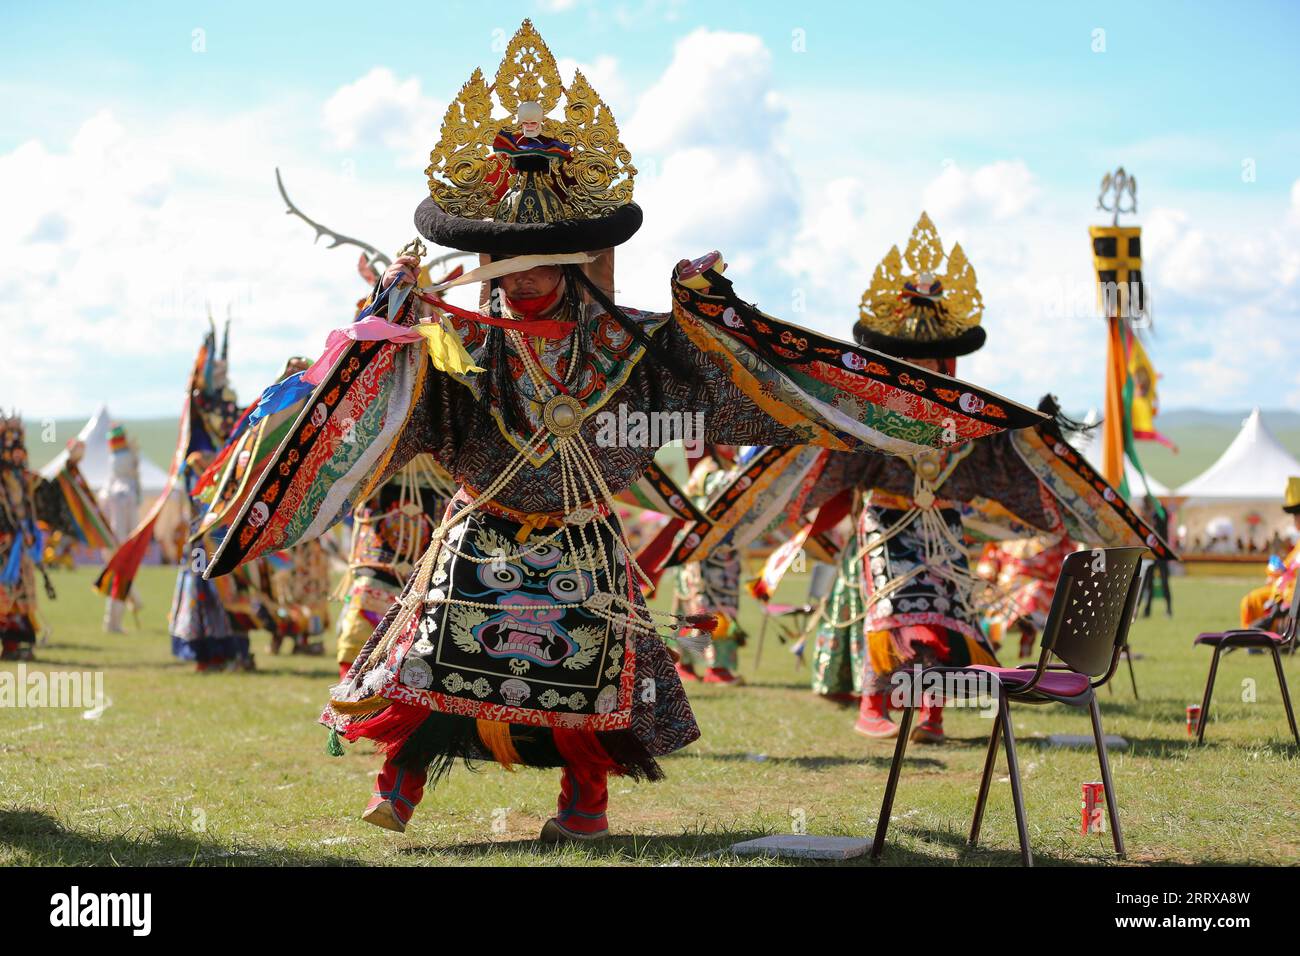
(907, 596)
(712, 586)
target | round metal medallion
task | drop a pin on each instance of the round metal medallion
(928, 465)
(562, 416)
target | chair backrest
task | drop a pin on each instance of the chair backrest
(1289, 629)
(1096, 596)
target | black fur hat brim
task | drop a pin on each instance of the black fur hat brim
(969, 341)
(1292, 510)
(521, 239)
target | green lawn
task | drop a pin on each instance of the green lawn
(231, 768)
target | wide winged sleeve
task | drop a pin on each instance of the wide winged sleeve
(773, 490)
(767, 382)
(325, 440)
(1015, 484)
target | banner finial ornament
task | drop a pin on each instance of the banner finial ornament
(1115, 186)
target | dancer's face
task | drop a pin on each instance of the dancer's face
(531, 283)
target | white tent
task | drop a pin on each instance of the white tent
(94, 466)
(1245, 487)
(1255, 467)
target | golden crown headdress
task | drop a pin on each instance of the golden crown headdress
(12, 433)
(910, 300)
(469, 179)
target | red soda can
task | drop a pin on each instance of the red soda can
(1193, 718)
(1094, 802)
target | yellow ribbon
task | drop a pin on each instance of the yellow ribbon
(445, 349)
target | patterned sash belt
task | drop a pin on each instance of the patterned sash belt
(528, 521)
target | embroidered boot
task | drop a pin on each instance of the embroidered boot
(873, 718)
(583, 799)
(721, 675)
(397, 793)
(930, 728)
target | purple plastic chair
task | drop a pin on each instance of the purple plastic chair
(1271, 641)
(1087, 628)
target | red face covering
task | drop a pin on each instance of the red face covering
(531, 308)
(527, 309)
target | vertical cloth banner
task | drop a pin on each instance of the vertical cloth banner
(1130, 375)
(1117, 260)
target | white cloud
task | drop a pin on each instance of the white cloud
(711, 177)
(998, 191)
(116, 245)
(717, 91)
(605, 78)
(380, 110)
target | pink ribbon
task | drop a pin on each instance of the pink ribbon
(370, 329)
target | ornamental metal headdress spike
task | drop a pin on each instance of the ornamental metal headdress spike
(1116, 185)
(493, 166)
(909, 298)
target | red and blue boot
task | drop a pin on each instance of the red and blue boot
(397, 793)
(584, 797)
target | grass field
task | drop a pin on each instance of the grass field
(231, 769)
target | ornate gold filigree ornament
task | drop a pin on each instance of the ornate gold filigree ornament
(526, 149)
(911, 299)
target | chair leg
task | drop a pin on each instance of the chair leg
(989, 762)
(1286, 695)
(1013, 769)
(891, 786)
(1205, 700)
(1128, 656)
(1112, 808)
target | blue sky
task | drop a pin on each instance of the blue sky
(802, 139)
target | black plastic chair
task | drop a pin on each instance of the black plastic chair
(1252, 637)
(1087, 628)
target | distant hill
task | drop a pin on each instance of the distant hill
(1201, 437)
(157, 438)
(1278, 420)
